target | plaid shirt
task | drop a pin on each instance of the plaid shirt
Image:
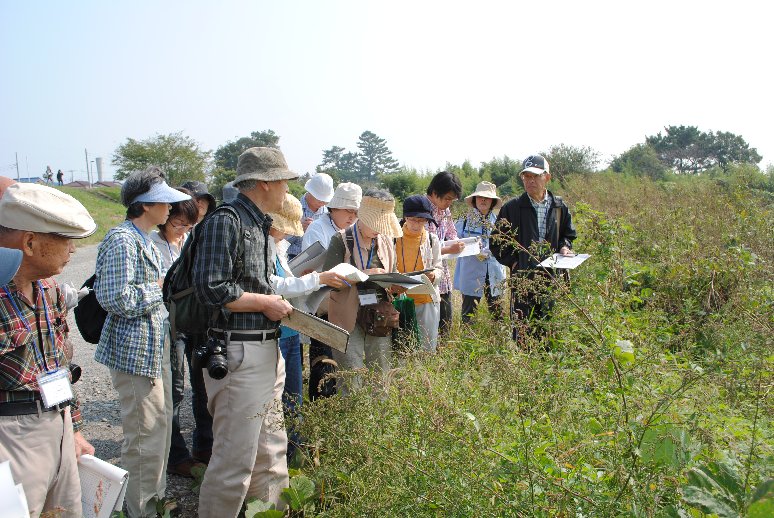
(128, 269)
(445, 232)
(541, 209)
(18, 361)
(295, 241)
(214, 275)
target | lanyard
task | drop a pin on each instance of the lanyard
(360, 252)
(403, 253)
(142, 236)
(169, 247)
(39, 352)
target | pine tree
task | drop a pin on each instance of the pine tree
(374, 158)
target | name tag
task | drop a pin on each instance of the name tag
(366, 299)
(54, 387)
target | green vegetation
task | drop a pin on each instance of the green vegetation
(104, 205)
(651, 396)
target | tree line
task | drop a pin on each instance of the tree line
(684, 150)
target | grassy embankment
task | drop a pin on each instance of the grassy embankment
(104, 205)
(652, 397)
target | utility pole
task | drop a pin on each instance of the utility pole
(17, 167)
(88, 173)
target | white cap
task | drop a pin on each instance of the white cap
(320, 186)
(37, 208)
(347, 196)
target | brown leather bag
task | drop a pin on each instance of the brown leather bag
(378, 319)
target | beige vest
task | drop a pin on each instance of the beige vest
(344, 304)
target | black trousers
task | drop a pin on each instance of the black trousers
(445, 322)
(321, 365)
(470, 303)
(531, 302)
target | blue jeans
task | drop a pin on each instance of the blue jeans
(291, 396)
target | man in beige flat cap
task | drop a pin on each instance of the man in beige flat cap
(40, 417)
(248, 453)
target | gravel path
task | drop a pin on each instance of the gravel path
(99, 401)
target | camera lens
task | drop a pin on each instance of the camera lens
(217, 367)
(75, 372)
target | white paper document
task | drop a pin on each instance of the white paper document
(349, 272)
(472, 247)
(103, 487)
(310, 259)
(564, 262)
(13, 503)
(426, 288)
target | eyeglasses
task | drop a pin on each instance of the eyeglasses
(181, 227)
(531, 176)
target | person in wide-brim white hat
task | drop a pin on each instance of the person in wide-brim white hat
(484, 190)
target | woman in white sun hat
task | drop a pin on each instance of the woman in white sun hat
(135, 339)
(319, 191)
(479, 275)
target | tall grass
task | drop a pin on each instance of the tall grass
(105, 207)
(577, 425)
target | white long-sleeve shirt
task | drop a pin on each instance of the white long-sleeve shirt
(295, 288)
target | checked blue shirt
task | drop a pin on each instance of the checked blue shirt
(128, 269)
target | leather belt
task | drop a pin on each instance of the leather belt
(12, 408)
(246, 336)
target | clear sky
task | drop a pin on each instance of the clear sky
(439, 80)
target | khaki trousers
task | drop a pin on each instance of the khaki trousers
(362, 351)
(146, 417)
(250, 443)
(42, 455)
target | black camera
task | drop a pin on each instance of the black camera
(212, 354)
(75, 372)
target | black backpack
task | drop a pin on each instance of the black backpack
(89, 315)
(186, 313)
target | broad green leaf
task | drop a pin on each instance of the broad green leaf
(624, 351)
(256, 508)
(706, 502)
(301, 490)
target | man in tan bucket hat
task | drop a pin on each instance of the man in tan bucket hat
(250, 443)
(39, 432)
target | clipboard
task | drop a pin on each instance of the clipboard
(317, 328)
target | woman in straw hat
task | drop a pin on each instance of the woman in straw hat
(479, 275)
(368, 245)
(287, 222)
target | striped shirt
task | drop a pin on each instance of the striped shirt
(295, 241)
(215, 269)
(445, 232)
(128, 269)
(19, 364)
(541, 209)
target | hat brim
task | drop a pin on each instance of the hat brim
(10, 260)
(161, 193)
(275, 175)
(534, 170)
(423, 215)
(384, 224)
(284, 225)
(469, 199)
